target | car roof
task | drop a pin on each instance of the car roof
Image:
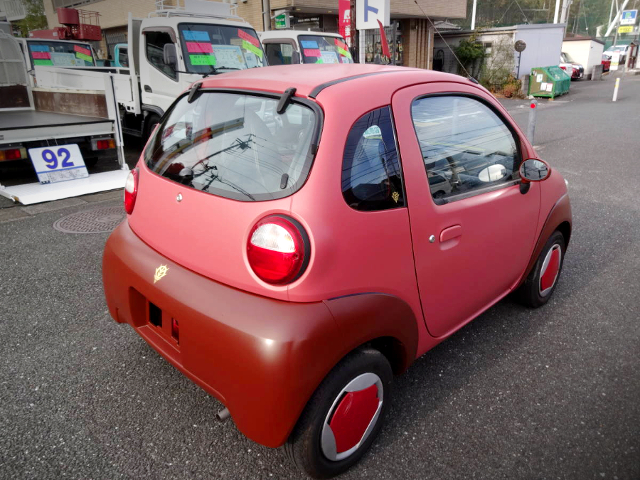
(311, 79)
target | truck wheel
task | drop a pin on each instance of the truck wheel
(149, 124)
(344, 415)
(541, 282)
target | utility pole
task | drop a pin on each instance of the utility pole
(555, 15)
(473, 15)
(564, 16)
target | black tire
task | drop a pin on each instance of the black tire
(149, 124)
(530, 292)
(304, 446)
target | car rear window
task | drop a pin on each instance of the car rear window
(235, 145)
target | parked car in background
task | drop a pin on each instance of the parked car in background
(270, 252)
(285, 47)
(622, 49)
(573, 68)
(606, 63)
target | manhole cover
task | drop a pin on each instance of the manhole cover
(100, 220)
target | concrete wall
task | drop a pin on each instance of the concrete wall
(586, 52)
(544, 45)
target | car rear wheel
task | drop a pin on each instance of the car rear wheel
(344, 415)
(543, 279)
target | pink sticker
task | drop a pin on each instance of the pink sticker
(312, 52)
(82, 50)
(249, 38)
(41, 55)
(199, 47)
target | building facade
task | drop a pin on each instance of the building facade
(410, 37)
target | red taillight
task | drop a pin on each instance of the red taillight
(278, 250)
(13, 154)
(130, 191)
(564, 68)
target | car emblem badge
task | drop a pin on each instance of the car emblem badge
(395, 196)
(161, 271)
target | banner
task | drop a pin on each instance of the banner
(344, 20)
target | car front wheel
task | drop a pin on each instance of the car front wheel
(344, 415)
(542, 281)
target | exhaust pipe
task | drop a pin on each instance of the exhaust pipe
(222, 415)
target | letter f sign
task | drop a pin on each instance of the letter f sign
(368, 9)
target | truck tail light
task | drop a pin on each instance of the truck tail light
(102, 143)
(278, 249)
(131, 191)
(13, 153)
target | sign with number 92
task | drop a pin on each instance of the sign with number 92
(58, 163)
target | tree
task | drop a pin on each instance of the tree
(35, 19)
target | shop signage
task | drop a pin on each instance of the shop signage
(629, 17)
(625, 29)
(368, 12)
(282, 19)
(344, 20)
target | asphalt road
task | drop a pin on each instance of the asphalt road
(517, 394)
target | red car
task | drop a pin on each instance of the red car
(297, 235)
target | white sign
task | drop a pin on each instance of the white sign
(58, 164)
(615, 61)
(629, 17)
(368, 12)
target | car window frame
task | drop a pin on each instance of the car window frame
(282, 41)
(314, 144)
(502, 118)
(405, 201)
(172, 35)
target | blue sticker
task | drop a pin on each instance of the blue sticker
(309, 44)
(39, 48)
(196, 36)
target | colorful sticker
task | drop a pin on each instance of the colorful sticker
(329, 57)
(202, 59)
(39, 48)
(84, 57)
(319, 60)
(84, 51)
(344, 53)
(252, 48)
(199, 47)
(314, 52)
(308, 44)
(341, 45)
(43, 62)
(249, 38)
(196, 36)
(41, 55)
(230, 56)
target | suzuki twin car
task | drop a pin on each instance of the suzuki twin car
(298, 235)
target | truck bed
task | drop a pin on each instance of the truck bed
(21, 126)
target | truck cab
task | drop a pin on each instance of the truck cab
(176, 47)
(284, 47)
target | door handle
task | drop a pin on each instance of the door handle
(450, 233)
(147, 88)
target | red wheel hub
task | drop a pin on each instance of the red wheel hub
(352, 417)
(550, 269)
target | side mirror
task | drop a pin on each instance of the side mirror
(295, 58)
(534, 170)
(169, 55)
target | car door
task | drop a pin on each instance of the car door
(472, 227)
(160, 84)
(281, 51)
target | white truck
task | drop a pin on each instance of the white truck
(174, 47)
(56, 134)
(285, 47)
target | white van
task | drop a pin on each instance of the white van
(285, 47)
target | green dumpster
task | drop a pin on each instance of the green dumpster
(548, 82)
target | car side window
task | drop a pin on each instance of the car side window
(465, 146)
(371, 174)
(155, 42)
(279, 53)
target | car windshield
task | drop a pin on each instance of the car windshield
(324, 49)
(60, 54)
(567, 58)
(234, 145)
(209, 49)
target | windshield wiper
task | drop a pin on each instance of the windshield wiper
(228, 68)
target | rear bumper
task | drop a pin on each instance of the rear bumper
(262, 358)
